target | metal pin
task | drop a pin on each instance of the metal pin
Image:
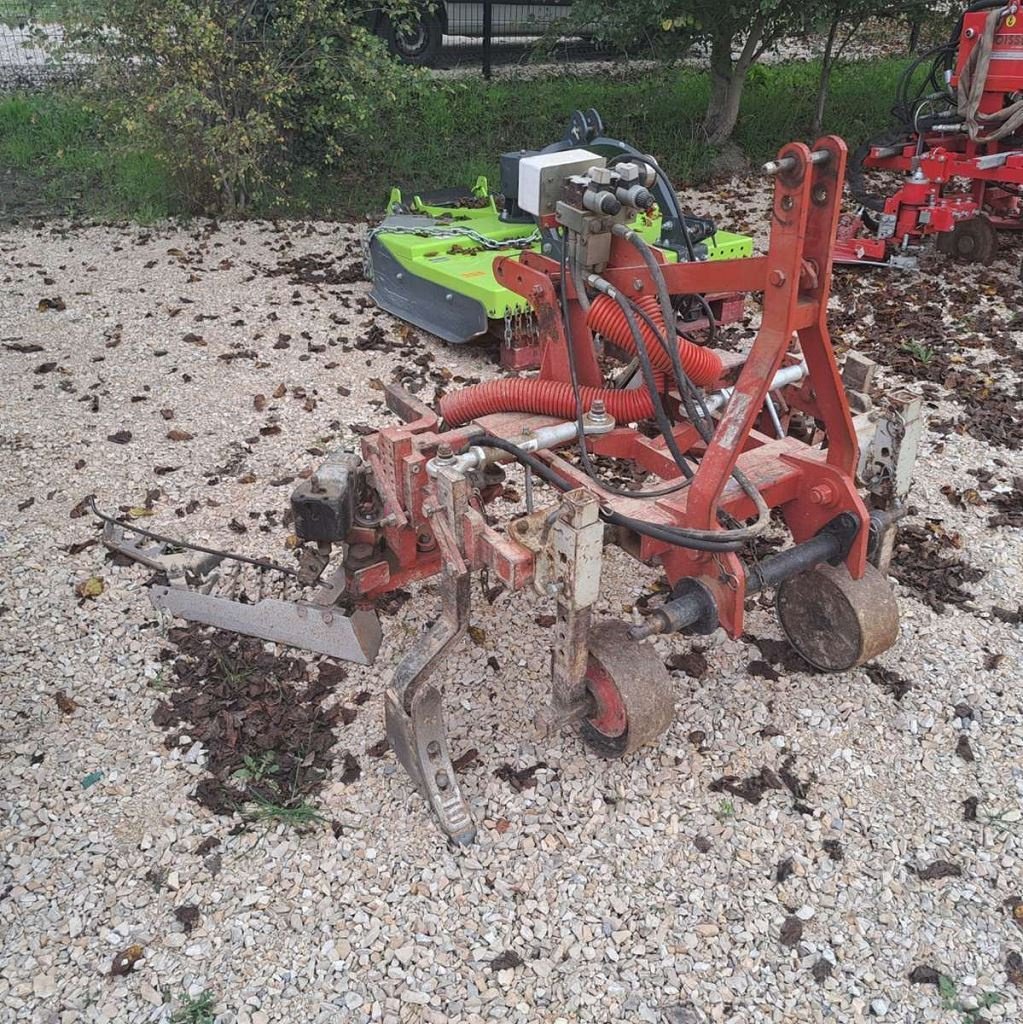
(788, 163)
(529, 489)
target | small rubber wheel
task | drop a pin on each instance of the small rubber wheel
(972, 241)
(417, 41)
(631, 689)
(835, 622)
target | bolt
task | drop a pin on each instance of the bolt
(637, 284)
(444, 453)
(787, 202)
(449, 297)
(537, 290)
(822, 494)
(777, 278)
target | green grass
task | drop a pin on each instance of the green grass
(296, 814)
(442, 133)
(62, 149)
(463, 127)
(200, 1010)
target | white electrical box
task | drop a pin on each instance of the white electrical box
(541, 177)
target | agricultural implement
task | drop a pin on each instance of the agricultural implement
(958, 147)
(431, 259)
(720, 441)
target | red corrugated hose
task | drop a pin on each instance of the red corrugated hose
(555, 398)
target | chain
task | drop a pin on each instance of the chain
(729, 579)
(508, 330)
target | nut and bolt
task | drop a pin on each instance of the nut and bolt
(822, 494)
(777, 278)
(444, 452)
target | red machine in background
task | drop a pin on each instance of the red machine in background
(959, 145)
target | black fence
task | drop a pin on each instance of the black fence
(471, 36)
(31, 32)
(489, 33)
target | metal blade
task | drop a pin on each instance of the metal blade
(311, 627)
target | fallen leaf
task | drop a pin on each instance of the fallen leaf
(82, 507)
(259, 403)
(125, 961)
(506, 961)
(167, 414)
(90, 588)
(178, 435)
(187, 915)
(56, 303)
(64, 703)
(964, 750)
(939, 869)
(1014, 968)
(280, 391)
(791, 931)
(924, 975)
(121, 437)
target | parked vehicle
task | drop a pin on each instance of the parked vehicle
(420, 39)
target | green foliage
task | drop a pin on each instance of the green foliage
(970, 1014)
(438, 133)
(230, 89)
(256, 769)
(197, 1010)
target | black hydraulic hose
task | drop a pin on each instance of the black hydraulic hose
(160, 538)
(686, 386)
(584, 455)
(660, 416)
(668, 534)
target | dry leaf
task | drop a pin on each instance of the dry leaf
(64, 702)
(125, 961)
(259, 403)
(92, 587)
(178, 435)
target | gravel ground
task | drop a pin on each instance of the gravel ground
(790, 851)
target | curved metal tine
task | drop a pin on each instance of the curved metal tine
(414, 714)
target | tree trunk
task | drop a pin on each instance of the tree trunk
(723, 108)
(914, 35)
(824, 82)
(727, 78)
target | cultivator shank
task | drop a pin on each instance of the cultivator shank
(768, 430)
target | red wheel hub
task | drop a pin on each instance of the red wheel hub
(610, 718)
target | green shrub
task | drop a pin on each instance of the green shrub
(230, 90)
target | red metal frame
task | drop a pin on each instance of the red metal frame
(810, 485)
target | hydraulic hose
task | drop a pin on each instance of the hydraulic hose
(542, 398)
(669, 534)
(702, 365)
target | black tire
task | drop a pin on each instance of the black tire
(417, 42)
